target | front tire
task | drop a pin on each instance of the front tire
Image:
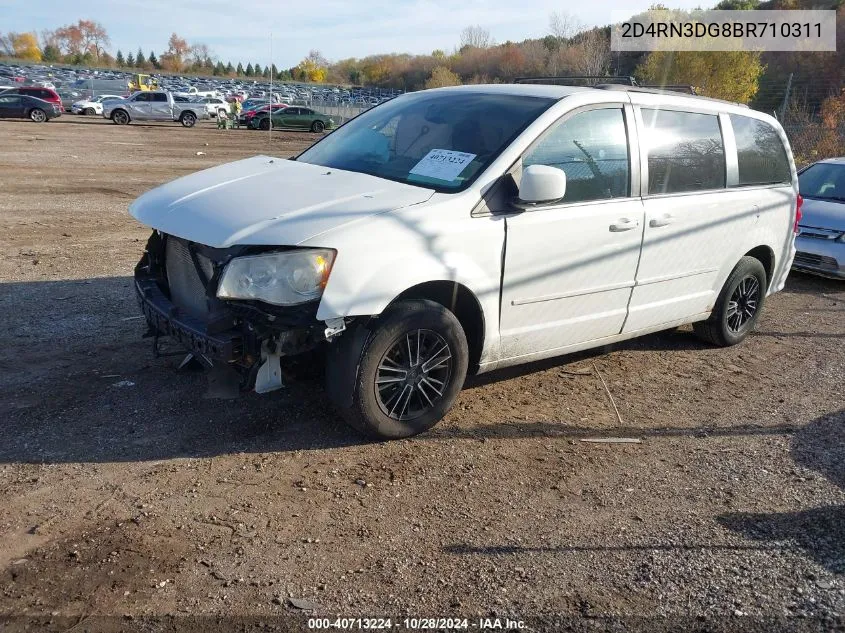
(412, 368)
(37, 115)
(318, 127)
(89, 111)
(738, 307)
(188, 119)
(120, 117)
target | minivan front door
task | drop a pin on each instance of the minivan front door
(569, 267)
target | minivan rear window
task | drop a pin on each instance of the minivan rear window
(760, 152)
(685, 151)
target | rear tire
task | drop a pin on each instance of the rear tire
(264, 124)
(389, 402)
(738, 306)
(188, 119)
(120, 117)
(37, 115)
(317, 127)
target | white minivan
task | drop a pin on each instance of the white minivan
(467, 229)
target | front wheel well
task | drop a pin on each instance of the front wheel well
(765, 256)
(461, 301)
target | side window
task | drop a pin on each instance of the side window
(685, 151)
(160, 97)
(592, 149)
(143, 97)
(760, 152)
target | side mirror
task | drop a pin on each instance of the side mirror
(541, 183)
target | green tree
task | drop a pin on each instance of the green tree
(731, 75)
(249, 71)
(118, 59)
(51, 54)
(153, 60)
(140, 60)
(229, 68)
(219, 69)
(130, 61)
(240, 70)
(275, 72)
(266, 73)
(442, 76)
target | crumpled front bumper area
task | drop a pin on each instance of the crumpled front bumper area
(165, 319)
(235, 333)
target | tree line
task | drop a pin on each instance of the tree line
(568, 48)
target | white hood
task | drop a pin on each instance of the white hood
(268, 201)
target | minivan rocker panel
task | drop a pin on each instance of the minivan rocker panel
(433, 264)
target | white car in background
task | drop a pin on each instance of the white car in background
(92, 106)
(216, 106)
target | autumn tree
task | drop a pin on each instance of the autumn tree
(25, 46)
(731, 75)
(442, 76)
(173, 59)
(475, 37)
(313, 68)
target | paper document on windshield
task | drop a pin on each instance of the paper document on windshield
(442, 164)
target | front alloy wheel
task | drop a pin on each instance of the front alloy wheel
(413, 374)
(38, 116)
(408, 372)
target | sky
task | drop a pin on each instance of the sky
(240, 30)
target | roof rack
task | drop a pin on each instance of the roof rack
(666, 90)
(623, 80)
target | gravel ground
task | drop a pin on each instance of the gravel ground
(124, 492)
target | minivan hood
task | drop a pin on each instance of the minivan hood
(268, 201)
(823, 214)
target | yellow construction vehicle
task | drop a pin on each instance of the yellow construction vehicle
(142, 82)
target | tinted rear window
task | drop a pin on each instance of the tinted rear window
(760, 152)
(685, 151)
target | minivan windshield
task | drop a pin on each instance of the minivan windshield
(823, 181)
(437, 139)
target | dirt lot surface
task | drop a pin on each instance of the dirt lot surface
(124, 492)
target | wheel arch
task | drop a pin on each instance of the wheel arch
(462, 302)
(766, 256)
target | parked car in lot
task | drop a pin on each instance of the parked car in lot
(154, 105)
(821, 237)
(247, 115)
(215, 106)
(467, 229)
(15, 106)
(294, 118)
(39, 92)
(92, 106)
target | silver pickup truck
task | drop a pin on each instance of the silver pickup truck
(154, 105)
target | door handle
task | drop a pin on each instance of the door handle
(624, 224)
(663, 220)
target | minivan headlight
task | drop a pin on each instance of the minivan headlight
(285, 278)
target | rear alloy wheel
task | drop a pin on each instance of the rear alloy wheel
(410, 372)
(89, 111)
(120, 117)
(318, 126)
(738, 306)
(38, 115)
(188, 119)
(264, 124)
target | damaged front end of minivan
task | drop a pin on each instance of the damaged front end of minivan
(235, 310)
